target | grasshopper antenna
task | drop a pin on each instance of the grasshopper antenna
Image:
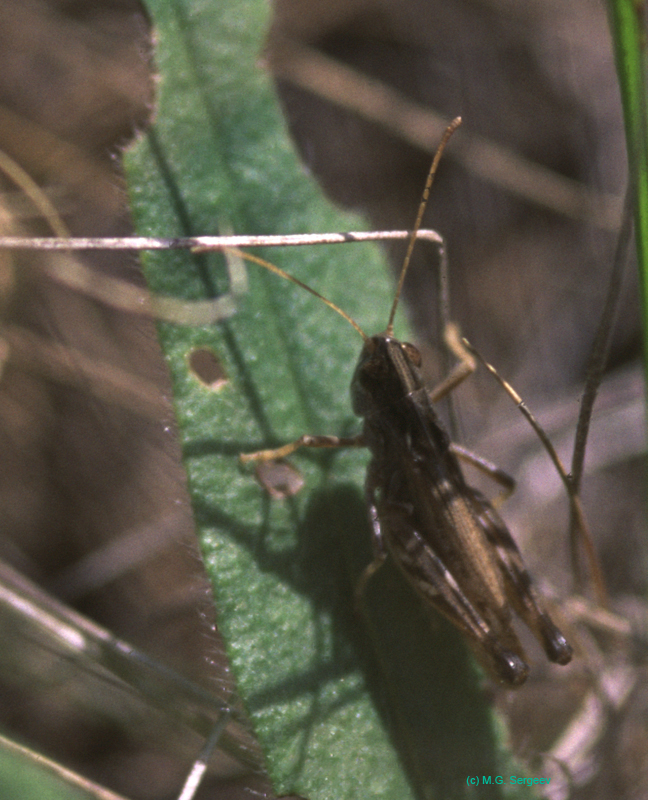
(277, 271)
(452, 127)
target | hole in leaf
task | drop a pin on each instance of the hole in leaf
(208, 368)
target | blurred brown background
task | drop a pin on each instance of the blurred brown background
(81, 469)
(93, 500)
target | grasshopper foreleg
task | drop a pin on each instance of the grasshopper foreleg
(466, 366)
(303, 441)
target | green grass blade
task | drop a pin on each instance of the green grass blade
(29, 775)
(628, 24)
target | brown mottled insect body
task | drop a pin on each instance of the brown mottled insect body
(444, 535)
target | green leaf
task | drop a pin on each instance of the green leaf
(384, 706)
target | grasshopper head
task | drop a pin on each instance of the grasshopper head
(387, 371)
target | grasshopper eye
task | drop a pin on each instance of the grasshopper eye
(412, 353)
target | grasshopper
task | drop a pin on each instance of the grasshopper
(445, 536)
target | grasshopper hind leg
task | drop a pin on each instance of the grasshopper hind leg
(492, 639)
(519, 586)
(496, 646)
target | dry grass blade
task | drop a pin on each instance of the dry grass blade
(331, 79)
